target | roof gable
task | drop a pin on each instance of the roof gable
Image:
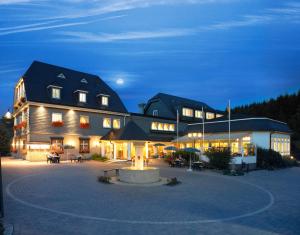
(40, 75)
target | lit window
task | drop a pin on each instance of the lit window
(57, 145)
(171, 127)
(56, 117)
(155, 112)
(219, 115)
(84, 119)
(116, 124)
(106, 122)
(84, 145)
(210, 115)
(154, 126)
(82, 97)
(166, 127)
(187, 112)
(160, 126)
(104, 100)
(55, 93)
(198, 114)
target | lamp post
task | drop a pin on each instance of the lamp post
(193, 136)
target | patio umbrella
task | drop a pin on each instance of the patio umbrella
(191, 150)
(170, 148)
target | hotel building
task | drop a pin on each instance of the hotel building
(62, 110)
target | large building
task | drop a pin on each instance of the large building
(62, 110)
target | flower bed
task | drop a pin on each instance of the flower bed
(57, 124)
(21, 125)
(84, 125)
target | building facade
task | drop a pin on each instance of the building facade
(69, 112)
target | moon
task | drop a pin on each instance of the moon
(120, 81)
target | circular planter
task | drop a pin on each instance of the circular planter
(133, 176)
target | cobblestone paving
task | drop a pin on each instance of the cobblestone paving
(67, 199)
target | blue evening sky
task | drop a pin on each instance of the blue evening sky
(208, 50)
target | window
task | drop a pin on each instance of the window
(55, 93)
(61, 75)
(104, 100)
(106, 122)
(84, 145)
(155, 112)
(154, 126)
(157, 126)
(219, 115)
(82, 97)
(198, 114)
(84, 121)
(83, 81)
(116, 124)
(56, 117)
(172, 127)
(210, 115)
(57, 145)
(187, 112)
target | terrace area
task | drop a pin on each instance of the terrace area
(66, 198)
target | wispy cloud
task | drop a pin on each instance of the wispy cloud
(136, 35)
(30, 29)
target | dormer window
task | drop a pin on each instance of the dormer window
(61, 75)
(155, 112)
(104, 100)
(83, 81)
(55, 93)
(82, 97)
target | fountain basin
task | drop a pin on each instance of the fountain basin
(133, 175)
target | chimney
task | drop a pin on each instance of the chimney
(142, 108)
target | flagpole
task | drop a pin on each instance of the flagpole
(177, 120)
(202, 130)
(229, 114)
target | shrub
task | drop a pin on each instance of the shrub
(186, 155)
(104, 179)
(98, 157)
(269, 159)
(219, 158)
(289, 162)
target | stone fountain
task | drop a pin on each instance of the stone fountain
(138, 173)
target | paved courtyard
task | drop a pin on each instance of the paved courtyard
(67, 199)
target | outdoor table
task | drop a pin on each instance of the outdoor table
(197, 165)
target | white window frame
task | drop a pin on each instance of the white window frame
(155, 113)
(104, 100)
(56, 117)
(80, 97)
(55, 93)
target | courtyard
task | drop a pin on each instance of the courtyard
(67, 199)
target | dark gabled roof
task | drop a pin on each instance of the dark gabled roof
(130, 132)
(40, 75)
(175, 102)
(240, 123)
